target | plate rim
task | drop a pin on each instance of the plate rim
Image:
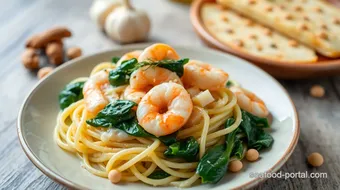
(196, 21)
(68, 183)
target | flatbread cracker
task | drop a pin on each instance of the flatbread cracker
(312, 22)
(245, 35)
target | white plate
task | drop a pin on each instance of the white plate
(37, 119)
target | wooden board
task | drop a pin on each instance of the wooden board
(280, 69)
(319, 118)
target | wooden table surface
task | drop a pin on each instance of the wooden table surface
(319, 118)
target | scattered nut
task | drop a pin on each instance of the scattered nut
(315, 159)
(30, 59)
(74, 52)
(115, 176)
(293, 43)
(252, 155)
(282, 7)
(235, 166)
(53, 34)
(44, 71)
(31, 39)
(54, 51)
(317, 91)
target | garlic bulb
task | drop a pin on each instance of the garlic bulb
(126, 24)
(100, 9)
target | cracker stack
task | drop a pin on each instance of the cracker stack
(312, 22)
(245, 35)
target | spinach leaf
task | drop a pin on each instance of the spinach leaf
(172, 65)
(238, 149)
(119, 114)
(229, 84)
(252, 126)
(257, 121)
(115, 59)
(213, 165)
(121, 75)
(114, 113)
(168, 139)
(186, 149)
(132, 128)
(70, 94)
(263, 140)
(158, 174)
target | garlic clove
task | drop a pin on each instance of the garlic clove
(100, 9)
(127, 25)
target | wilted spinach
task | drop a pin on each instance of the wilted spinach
(168, 139)
(238, 149)
(119, 114)
(115, 60)
(132, 128)
(256, 137)
(158, 174)
(70, 94)
(121, 75)
(213, 165)
(113, 114)
(176, 66)
(186, 149)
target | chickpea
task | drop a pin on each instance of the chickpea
(315, 159)
(115, 176)
(235, 166)
(317, 91)
(44, 71)
(252, 155)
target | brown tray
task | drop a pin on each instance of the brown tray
(280, 69)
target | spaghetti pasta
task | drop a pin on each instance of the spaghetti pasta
(136, 158)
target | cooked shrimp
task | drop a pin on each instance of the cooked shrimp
(128, 56)
(164, 109)
(143, 79)
(148, 77)
(250, 102)
(133, 94)
(96, 92)
(204, 76)
(158, 52)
